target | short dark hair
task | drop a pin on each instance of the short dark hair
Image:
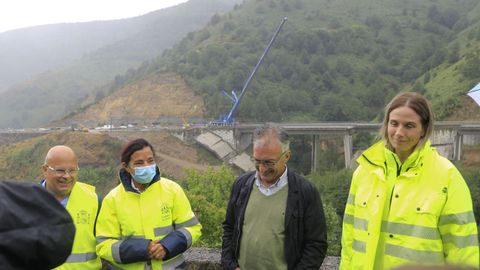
(417, 103)
(132, 147)
(274, 131)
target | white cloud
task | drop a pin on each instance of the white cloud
(23, 13)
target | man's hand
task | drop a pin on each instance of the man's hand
(156, 251)
(238, 268)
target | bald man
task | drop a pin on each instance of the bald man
(60, 171)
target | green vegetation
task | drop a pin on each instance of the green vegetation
(472, 177)
(333, 187)
(333, 60)
(209, 193)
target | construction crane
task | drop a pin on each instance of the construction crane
(229, 118)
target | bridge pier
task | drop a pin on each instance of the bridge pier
(315, 149)
(242, 141)
(457, 147)
(348, 149)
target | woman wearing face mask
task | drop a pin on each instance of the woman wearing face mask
(146, 221)
(407, 204)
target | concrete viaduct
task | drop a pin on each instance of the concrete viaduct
(453, 134)
(229, 143)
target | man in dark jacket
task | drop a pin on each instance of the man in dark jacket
(36, 232)
(275, 217)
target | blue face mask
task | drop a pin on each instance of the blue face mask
(144, 175)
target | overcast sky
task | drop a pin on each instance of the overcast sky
(16, 14)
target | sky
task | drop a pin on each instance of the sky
(16, 14)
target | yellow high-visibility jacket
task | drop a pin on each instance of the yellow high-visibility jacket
(129, 220)
(418, 212)
(83, 208)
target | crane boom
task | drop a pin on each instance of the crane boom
(230, 118)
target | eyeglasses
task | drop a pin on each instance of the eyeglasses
(267, 163)
(62, 172)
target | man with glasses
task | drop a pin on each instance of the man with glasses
(275, 217)
(60, 171)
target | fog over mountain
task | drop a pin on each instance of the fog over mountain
(64, 63)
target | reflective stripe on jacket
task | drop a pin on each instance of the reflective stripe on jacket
(128, 221)
(83, 207)
(418, 212)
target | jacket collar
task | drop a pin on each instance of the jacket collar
(376, 155)
(126, 178)
(293, 196)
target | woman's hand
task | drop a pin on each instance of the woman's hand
(156, 251)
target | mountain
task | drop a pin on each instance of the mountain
(98, 156)
(157, 98)
(333, 60)
(48, 71)
(32, 50)
(447, 83)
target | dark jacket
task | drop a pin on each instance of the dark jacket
(305, 227)
(36, 231)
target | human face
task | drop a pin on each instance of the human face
(269, 160)
(60, 173)
(404, 131)
(140, 158)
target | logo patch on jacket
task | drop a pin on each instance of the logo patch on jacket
(166, 212)
(83, 217)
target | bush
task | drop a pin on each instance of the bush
(208, 193)
(472, 177)
(334, 230)
(333, 187)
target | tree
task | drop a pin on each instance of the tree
(228, 26)
(215, 19)
(208, 193)
(454, 53)
(319, 65)
(433, 13)
(426, 77)
(99, 96)
(374, 22)
(344, 68)
(471, 68)
(449, 17)
(419, 88)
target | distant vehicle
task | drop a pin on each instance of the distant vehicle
(105, 127)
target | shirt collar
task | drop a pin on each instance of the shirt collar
(134, 187)
(279, 184)
(62, 202)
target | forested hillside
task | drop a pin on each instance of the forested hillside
(57, 68)
(333, 60)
